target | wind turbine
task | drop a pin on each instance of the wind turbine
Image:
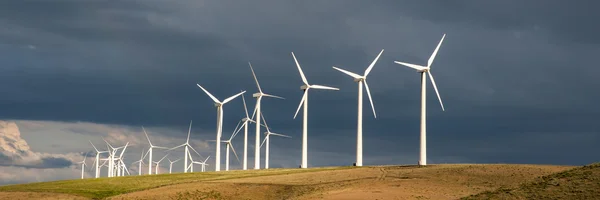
(219, 106)
(258, 97)
(120, 164)
(111, 158)
(83, 165)
(150, 151)
(266, 141)
(171, 164)
(425, 70)
(186, 145)
(304, 100)
(361, 80)
(245, 126)
(203, 163)
(191, 166)
(158, 163)
(229, 145)
(96, 162)
(141, 161)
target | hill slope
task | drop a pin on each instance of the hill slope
(383, 182)
(578, 183)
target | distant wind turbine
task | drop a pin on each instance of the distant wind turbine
(219, 106)
(97, 168)
(141, 161)
(158, 164)
(304, 100)
(83, 165)
(266, 142)
(425, 70)
(186, 145)
(150, 151)
(361, 80)
(171, 164)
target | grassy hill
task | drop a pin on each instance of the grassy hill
(451, 181)
(578, 183)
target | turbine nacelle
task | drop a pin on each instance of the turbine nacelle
(304, 87)
(256, 95)
(359, 79)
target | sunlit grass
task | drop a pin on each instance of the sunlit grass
(105, 187)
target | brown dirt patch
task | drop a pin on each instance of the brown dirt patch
(388, 182)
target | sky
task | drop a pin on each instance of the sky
(517, 79)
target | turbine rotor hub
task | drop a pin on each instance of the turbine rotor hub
(256, 95)
(304, 87)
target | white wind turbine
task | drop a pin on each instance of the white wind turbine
(171, 164)
(246, 120)
(120, 164)
(304, 100)
(111, 158)
(257, 111)
(83, 165)
(158, 164)
(96, 162)
(425, 70)
(141, 161)
(150, 151)
(203, 164)
(361, 80)
(219, 106)
(266, 141)
(230, 145)
(191, 166)
(186, 146)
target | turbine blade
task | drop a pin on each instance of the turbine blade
(255, 79)
(235, 130)
(94, 146)
(300, 69)
(352, 74)
(171, 149)
(372, 64)
(265, 122)
(370, 99)
(414, 66)
(436, 90)
(208, 93)
(273, 96)
(281, 135)
(256, 106)
(301, 101)
(234, 153)
(322, 87)
(195, 152)
(147, 136)
(430, 61)
(107, 144)
(189, 132)
(233, 97)
(263, 142)
(245, 107)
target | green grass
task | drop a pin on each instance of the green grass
(101, 188)
(578, 183)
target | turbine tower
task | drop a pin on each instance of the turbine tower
(219, 106)
(425, 70)
(258, 97)
(361, 80)
(304, 101)
(186, 145)
(150, 151)
(266, 141)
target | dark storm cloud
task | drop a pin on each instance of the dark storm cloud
(506, 68)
